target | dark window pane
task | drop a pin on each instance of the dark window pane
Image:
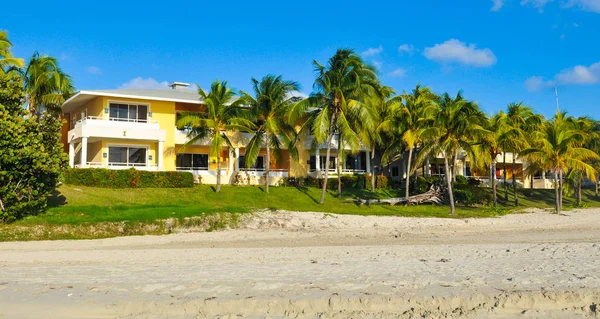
(132, 112)
(242, 161)
(137, 155)
(123, 112)
(395, 171)
(313, 163)
(117, 155)
(114, 111)
(184, 160)
(260, 162)
(200, 160)
(142, 113)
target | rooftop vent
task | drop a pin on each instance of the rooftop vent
(179, 85)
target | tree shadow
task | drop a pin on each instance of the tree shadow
(304, 190)
(56, 199)
(261, 189)
(214, 189)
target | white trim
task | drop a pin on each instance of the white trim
(147, 146)
(129, 96)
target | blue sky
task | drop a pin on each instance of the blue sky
(497, 51)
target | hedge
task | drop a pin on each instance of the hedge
(129, 178)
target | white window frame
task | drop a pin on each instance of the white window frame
(146, 146)
(178, 168)
(148, 111)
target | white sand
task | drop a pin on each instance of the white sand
(312, 265)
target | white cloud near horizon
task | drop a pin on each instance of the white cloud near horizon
(406, 48)
(372, 51)
(142, 83)
(497, 5)
(455, 51)
(585, 5)
(538, 4)
(577, 75)
(93, 70)
(398, 73)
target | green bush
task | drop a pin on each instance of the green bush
(460, 180)
(130, 178)
(424, 183)
(348, 181)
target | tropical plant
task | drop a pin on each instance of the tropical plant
(457, 126)
(340, 86)
(520, 121)
(269, 107)
(489, 148)
(46, 85)
(384, 107)
(414, 116)
(557, 147)
(6, 58)
(223, 113)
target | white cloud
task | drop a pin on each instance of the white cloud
(580, 74)
(456, 51)
(538, 4)
(299, 94)
(377, 64)
(586, 5)
(577, 75)
(406, 48)
(93, 69)
(498, 4)
(64, 57)
(372, 51)
(399, 72)
(141, 83)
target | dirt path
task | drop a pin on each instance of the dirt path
(307, 265)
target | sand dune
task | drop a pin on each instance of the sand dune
(312, 265)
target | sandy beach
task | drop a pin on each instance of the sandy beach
(313, 265)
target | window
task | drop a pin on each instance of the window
(127, 156)
(187, 161)
(128, 112)
(395, 171)
(313, 162)
(258, 165)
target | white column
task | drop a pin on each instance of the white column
(427, 168)
(237, 159)
(161, 153)
(465, 168)
(71, 154)
(318, 158)
(368, 162)
(230, 168)
(83, 161)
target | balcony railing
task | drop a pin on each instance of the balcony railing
(114, 119)
(140, 166)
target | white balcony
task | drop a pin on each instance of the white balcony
(273, 172)
(117, 166)
(117, 128)
(334, 144)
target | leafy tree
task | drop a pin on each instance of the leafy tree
(222, 115)
(458, 125)
(272, 99)
(489, 148)
(557, 147)
(340, 87)
(415, 116)
(31, 155)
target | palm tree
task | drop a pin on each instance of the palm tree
(415, 115)
(490, 145)
(268, 110)
(588, 128)
(6, 58)
(520, 120)
(222, 115)
(458, 125)
(558, 148)
(384, 108)
(46, 85)
(339, 86)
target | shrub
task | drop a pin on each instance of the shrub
(460, 180)
(348, 181)
(130, 178)
(424, 183)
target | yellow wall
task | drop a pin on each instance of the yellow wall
(94, 152)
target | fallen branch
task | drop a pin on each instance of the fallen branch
(434, 195)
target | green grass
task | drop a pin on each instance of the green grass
(78, 212)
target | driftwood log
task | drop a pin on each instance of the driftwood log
(434, 195)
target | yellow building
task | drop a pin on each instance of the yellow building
(120, 129)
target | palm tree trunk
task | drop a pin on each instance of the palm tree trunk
(596, 187)
(410, 151)
(339, 166)
(557, 197)
(373, 170)
(218, 172)
(268, 164)
(415, 175)
(514, 181)
(579, 182)
(504, 179)
(454, 168)
(449, 184)
(531, 185)
(560, 189)
(493, 180)
(328, 153)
